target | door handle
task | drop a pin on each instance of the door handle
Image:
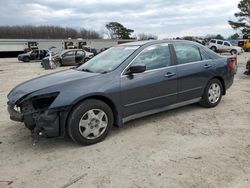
(207, 66)
(170, 74)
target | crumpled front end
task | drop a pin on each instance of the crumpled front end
(36, 115)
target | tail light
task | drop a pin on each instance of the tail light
(232, 63)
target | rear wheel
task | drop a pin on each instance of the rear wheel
(233, 52)
(86, 59)
(90, 122)
(212, 94)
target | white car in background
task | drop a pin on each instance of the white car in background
(224, 46)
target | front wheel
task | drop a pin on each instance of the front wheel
(90, 122)
(214, 48)
(212, 94)
(26, 59)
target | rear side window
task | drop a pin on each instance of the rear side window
(213, 41)
(219, 42)
(186, 53)
(154, 57)
(204, 55)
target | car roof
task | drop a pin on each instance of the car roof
(151, 42)
(217, 39)
(68, 50)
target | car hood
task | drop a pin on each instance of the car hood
(238, 48)
(47, 81)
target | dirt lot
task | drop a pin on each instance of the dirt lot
(187, 147)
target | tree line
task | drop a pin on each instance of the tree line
(45, 32)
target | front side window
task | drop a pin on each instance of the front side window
(70, 53)
(154, 57)
(186, 53)
(226, 44)
(34, 52)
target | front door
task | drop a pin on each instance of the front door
(69, 58)
(34, 54)
(152, 89)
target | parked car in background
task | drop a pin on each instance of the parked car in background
(33, 55)
(200, 41)
(224, 46)
(73, 57)
(125, 82)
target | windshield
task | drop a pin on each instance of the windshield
(108, 60)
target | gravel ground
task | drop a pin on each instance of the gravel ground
(187, 147)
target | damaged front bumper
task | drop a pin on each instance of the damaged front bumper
(44, 122)
(14, 114)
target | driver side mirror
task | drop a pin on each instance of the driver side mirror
(136, 69)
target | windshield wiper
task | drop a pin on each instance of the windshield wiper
(104, 72)
(86, 70)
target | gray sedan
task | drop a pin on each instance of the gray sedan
(125, 82)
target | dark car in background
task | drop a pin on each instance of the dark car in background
(125, 82)
(33, 55)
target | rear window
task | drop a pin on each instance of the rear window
(213, 41)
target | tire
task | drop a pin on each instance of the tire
(212, 94)
(90, 122)
(26, 59)
(248, 65)
(214, 48)
(233, 52)
(86, 59)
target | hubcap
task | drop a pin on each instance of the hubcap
(93, 124)
(214, 93)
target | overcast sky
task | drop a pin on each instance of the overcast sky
(165, 18)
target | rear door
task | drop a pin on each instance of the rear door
(79, 56)
(193, 69)
(220, 46)
(154, 88)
